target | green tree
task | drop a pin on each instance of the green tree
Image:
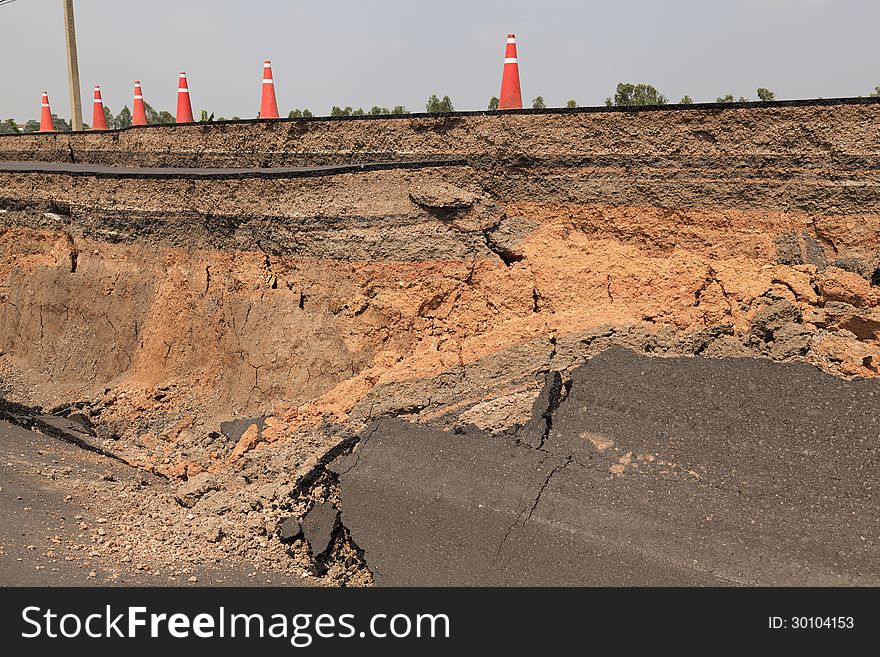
(436, 105)
(875, 93)
(154, 117)
(399, 109)
(108, 117)
(9, 127)
(630, 95)
(686, 100)
(378, 111)
(571, 104)
(766, 95)
(338, 111)
(60, 124)
(307, 114)
(493, 104)
(204, 117)
(31, 126)
(295, 114)
(123, 119)
(730, 99)
(358, 112)
(539, 103)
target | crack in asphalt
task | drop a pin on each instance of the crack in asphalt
(531, 509)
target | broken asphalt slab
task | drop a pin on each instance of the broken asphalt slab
(653, 472)
(71, 429)
(318, 525)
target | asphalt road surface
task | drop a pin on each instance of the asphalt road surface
(653, 472)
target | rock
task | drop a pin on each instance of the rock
(318, 525)
(234, 429)
(148, 440)
(442, 196)
(780, 326)
(289, 528)
(505, 238)
(788, 250)
(249, 439)
(864, 324)
(500, 413)
(799, 282)
(82, 419)
(855, 357)
(214, 533)
(791, 340)
(184, 469)
(794, 248)
(190, 492)
(174, 432)
(836, 284)
(812, 252)
(771, 318)
(854, 265)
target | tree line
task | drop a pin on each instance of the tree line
(626, 95)
(634, 95)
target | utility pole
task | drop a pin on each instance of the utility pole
(76, 119)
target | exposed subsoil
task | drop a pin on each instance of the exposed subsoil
(233, 336)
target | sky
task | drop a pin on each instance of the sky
(398, 52)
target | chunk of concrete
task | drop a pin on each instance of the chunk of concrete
(195, 488)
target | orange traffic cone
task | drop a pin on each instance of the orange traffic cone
(268, 106)
(99, 119)
(46, 124)
(140, 111)
(511, 96)
(184, 107)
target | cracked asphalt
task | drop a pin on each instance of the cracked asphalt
(650, 471)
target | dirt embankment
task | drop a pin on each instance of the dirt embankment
(161, 308)
(804, 130)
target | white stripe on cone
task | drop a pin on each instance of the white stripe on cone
(269, 81)
(183, 91)
(510, 60)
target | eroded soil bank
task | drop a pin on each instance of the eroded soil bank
(166, 315)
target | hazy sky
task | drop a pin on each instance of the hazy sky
(388, 52)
